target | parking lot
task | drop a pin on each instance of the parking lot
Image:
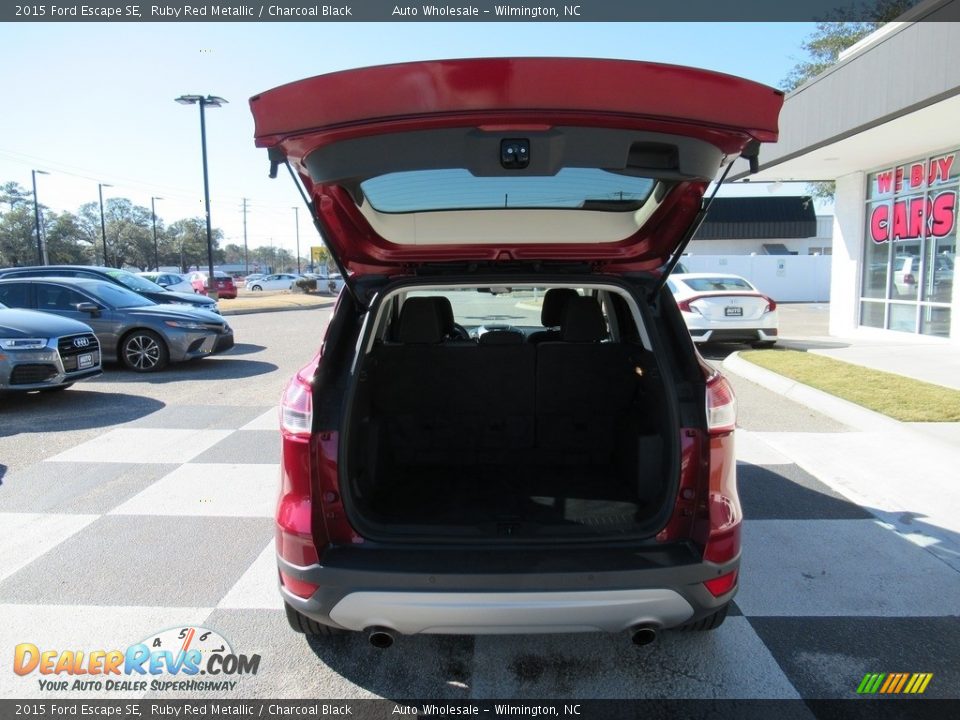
(133, 504)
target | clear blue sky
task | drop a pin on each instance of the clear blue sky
(93, 102)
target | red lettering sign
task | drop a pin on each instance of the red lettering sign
(884, 181)
(916, 174)
(942, 214)
(915, 218)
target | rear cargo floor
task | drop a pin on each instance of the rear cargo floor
(479, 495)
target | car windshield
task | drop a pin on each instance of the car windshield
(457, 189)
(118, 297)
(134, 282)
(708, 284)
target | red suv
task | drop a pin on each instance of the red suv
(507, 428)
(226, 287)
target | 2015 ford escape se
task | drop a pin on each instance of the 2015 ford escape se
(507, 428)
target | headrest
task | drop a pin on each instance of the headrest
(583, 321)
(502, 337)
(445, 309)
(419, 321)
(554, 304)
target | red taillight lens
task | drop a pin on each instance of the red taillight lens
(296, 408)
(721, 406)
(909, 279)
(685, 305)
(771, 304)
(722, 585)
(300, 588)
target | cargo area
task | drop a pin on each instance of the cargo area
(508, 435)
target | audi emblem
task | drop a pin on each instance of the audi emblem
(81, 342)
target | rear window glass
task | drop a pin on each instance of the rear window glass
(457, 189)
(707, 284)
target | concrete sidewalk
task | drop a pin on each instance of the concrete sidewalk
(273, 302)
(904, 473)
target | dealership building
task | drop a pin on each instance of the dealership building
(884, 123)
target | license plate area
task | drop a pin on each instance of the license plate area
(84, 361)
(733, 311)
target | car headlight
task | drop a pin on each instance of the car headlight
(186, 324)
(23, 343)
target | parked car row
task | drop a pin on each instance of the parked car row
(119, 325)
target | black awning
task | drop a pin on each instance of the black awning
(759, 218)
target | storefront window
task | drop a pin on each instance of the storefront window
(903, 317)
(910, 245)
(877, 260)
(935, 321)
(871, 314)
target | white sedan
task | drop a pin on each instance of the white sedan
(278, 281)
(175, 282)
(724, 308)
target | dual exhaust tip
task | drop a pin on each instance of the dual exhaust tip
(382, 638)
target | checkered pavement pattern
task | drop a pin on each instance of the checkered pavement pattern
(166, 522)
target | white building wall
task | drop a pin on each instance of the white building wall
(848, 228)
(785, 278)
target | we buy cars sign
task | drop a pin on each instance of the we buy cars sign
(926, 212)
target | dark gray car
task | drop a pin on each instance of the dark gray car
(44, 352)
(139, 285)
(142, 335)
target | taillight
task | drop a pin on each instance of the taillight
(909, 279)
(296, 408)
(771, 304)
(685, 305)
(722, 585)
(721, 406)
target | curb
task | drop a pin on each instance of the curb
(840, 410)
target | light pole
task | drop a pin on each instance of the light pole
(156, 252)
(296, 215)
(103, 222)
(41, 255)
(203, 102)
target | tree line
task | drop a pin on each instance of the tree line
(76, 238)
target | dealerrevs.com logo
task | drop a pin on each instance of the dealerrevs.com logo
(187, 658)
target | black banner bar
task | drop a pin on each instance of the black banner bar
(473, 11)
(917, 708)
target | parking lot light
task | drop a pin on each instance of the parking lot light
(103, 223)
(41, 250)
(203, 102)
(156, 252)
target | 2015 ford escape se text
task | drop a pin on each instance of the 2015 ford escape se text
(507, 428)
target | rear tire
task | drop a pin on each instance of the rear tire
(303, 624)
(710, 622)
(256, 288)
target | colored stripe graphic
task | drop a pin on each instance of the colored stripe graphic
(894, 683)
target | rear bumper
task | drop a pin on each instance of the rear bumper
(420, 601)
(734, 335)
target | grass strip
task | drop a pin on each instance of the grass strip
(896, 396)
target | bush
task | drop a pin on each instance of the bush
(305, 285)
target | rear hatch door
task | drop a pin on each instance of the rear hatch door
(526, 160)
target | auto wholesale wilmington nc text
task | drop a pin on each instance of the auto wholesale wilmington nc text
(530, 12)
(511, 709)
